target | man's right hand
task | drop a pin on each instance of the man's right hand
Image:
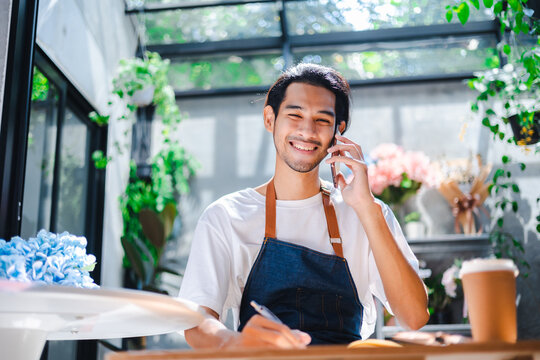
(262, 332)
(259, 332)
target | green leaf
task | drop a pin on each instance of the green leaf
(497, 9)
(100, 160)
(498, 173)
(505, 159)
(449, 15)
(515, 188)
(500, 222)
(476, 3)
(538, 228)
(514, 206)
(488, 3)
(463, 12)
(501, 135)
(506, 49)
(514, 4)
(518, 23)
(485, 122)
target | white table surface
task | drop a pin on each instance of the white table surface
(31, 314)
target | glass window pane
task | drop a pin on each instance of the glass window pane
(211, 24)
(41, 145)
(403, 59)
(315, 17)
(138, 3)
(225, 71)
(74, 166)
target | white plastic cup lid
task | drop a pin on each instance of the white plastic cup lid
(481, 265)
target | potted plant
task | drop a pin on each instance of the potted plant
(395, 175)
(143, 82)
(507, 98)
(149, 209)
(137, 78)
(414, 227)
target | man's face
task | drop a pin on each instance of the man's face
(304, 127)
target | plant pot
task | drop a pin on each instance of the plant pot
(415, 229)
(526, 139)
(144, 96)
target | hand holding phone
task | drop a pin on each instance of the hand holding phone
(334, 167)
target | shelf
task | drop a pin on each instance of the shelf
(461, 329)
(451, 243)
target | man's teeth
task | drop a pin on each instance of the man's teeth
(300, 147)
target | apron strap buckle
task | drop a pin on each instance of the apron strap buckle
(337, 246)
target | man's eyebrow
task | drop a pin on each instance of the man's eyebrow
(298, 107)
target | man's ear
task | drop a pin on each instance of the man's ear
(342, 126)
(269, 118)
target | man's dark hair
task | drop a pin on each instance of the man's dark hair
(315, 75)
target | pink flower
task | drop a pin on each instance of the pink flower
(386, 151)
(416, 165)
(391, 162)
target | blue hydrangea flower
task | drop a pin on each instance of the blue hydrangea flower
(48, 258)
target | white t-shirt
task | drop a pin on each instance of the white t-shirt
(230, 233)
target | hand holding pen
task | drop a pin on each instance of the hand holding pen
(267, 330)
(265, 312)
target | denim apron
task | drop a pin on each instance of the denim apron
(306, 289)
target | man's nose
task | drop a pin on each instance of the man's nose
(307, 127)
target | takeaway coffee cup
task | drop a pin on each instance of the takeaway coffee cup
(489, 286)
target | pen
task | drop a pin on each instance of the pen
(265, 312)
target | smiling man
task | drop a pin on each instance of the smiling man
(314, 255)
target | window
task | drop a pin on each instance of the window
(62, 189)
(225, 71)
(435, 56)
(40, 157)
(211, 24)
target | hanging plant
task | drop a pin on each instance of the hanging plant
(149, 206)
(508, 103)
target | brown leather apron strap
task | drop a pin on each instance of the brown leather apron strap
(329, 212)
(331, 223)
(270, 227)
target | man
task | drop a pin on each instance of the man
(314, 255)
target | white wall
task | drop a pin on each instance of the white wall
(5, 15)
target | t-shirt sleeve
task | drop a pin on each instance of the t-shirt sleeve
(207, 276)
(375, 282)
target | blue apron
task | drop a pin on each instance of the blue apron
(306, 289)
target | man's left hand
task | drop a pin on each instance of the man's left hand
(355, 189)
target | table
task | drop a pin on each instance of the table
(522, 350)
(31, 314)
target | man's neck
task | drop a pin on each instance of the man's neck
(294, 185)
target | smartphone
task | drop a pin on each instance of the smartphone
(334, 167)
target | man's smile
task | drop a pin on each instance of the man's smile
(303, 146)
